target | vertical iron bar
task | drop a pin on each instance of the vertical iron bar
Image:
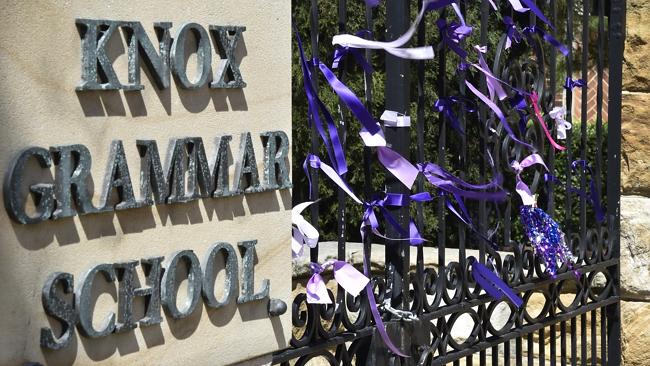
(542, 347)
(583, 339)
(506, 353)
(483, 133)
(341, 195)
(314, 209)
(397, 98)
(616, 43)
(519, 352)
(594, 345)
(574, 352)
(553, 338)
(550, 206)
(568, 211)
(530, 349)
(420, 154)
(442, 138)
(583, 129)
(563, 344)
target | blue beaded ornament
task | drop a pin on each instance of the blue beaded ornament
(546, 237)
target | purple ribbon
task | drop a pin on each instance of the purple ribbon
(345, 274)
(531, 5)
(492, 284)
(341, 52)
(399, 166)
(571, 83)
(392, 199)
(315, 162)
(372, 3)
(521, 187)
(349, 99)
(512, 33)
(452, 33)
(449, 183)
(498, 113)
(445, 105)
(334, 149)
(529, 31)
(594, 194)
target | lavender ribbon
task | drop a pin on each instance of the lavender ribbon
(492, 284)
(497, 111)
(315, 162)
(372, 3)
(571, 83)
(399, 166)
(452, 34)
(529, 31)
(521, 187)
(449, 183)
(334, 149)
(303, 233)
(345, 274)
(493, 83)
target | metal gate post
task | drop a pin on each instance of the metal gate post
(397, 98)
(616, 46)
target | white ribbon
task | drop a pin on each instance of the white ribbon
(561, 124)
(303, 232)
(392, 47)
(395, 119)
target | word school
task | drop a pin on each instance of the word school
(188, 176)
(160, 290)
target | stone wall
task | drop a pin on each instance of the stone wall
(635, 187)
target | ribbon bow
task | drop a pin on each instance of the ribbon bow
(303, 232)
(558, 113)
(345, 274)
(452, 33)
(521, 187)
(571, 83)
(395, 47)
(342, 51)
(392, 199)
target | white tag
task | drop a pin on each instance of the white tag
(394, 119)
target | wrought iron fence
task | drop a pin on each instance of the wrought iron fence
(579, 319)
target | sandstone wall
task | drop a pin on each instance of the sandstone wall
(635, 187)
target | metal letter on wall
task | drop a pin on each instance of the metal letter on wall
(72, 172)
(95, 35)
(209, 275)
(84, 303)
(246, 176)
(248, 274)
(43, 194)
(117, 176)
(169, 284)
(276, 160)
(152, 175)
(228, 74)
(203, 53)
(56, 306)
(158, 64)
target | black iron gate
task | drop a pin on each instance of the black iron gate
(579, 319)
